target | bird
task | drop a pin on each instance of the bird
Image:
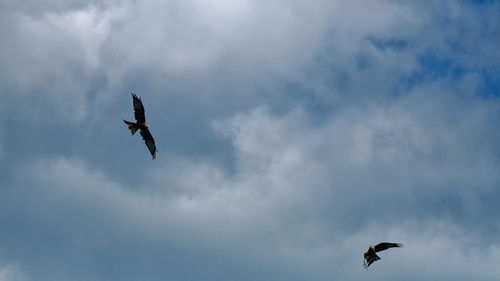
(141, 125)
(370, 256)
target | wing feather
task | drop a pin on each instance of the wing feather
(138, 109)
(149, 140)
(386, 245)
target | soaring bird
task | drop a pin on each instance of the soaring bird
(141, 125)
(371, 256)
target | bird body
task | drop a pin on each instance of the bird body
(141, 125)
(370, 256)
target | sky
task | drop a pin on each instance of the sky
(291, 135)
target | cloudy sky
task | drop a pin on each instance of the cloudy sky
(291, 135)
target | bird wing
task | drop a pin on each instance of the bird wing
(149, 140)
(386, 245)
(138, 109)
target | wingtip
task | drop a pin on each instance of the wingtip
(136, 97)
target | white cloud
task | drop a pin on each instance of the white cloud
(11, 272)
(78, 56)
(54, 61)
(433, 250)
(90, 27)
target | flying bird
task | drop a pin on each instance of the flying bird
(370, 256)
(141, 125)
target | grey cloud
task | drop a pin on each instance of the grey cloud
(301, 200)
(39, 8)
(1, 145)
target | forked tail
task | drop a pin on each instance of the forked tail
(133, 127)
(369, 260)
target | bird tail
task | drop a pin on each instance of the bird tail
(369, 260)
(133, 127)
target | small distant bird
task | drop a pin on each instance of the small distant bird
(371, 256)
(141, 125)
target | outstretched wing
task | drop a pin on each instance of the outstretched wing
(150, 141)
(138, 109)
(386, 245)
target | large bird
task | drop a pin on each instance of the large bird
(141, 125)
(370, 256)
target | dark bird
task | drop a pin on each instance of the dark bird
(371, 256)
(141, 125)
